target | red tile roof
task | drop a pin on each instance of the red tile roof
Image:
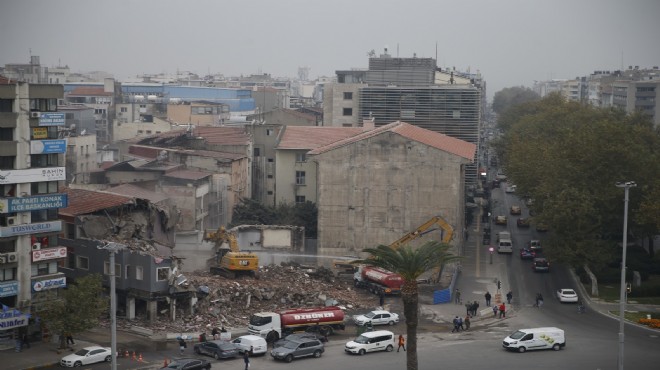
(433, 139)
(83, 202)
(312, 137)
(6, 81)
(188, 174)
(89, 90)
(144, 151)
(214, 135)
(134, 191)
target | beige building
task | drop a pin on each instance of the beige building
(198, 113)
(80, 158)
(376, 186)
(136, 129)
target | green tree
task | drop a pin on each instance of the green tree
(78, 309)
(410, 264)
(251, 212)
(512, 96)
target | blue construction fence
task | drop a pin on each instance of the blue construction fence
(445, 295)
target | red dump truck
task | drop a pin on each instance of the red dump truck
(276, 325)
(378, 280)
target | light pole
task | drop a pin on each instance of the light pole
(622, 293)
(112, 248)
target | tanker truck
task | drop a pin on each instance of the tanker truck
(377, 280)
(276, 325)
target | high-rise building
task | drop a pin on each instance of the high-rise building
(31, 173)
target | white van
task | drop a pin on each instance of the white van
(503, 235)
(371, 341)
(253, 343)
(505, 246)
(537, 338)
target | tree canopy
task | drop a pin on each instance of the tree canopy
(251, 212)
(512, 96)
(567, 157)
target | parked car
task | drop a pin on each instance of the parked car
(567, 295)
(527, 254)
(252, 343)
(500, 220)
(535, 245)
(378, 317)
(188, 364)
(535, 338)
(298, 337)
(541, 264)
(515, 210)
(217, 349)
(380, 340)
(298, 348)
(522, 222)
(86, 356)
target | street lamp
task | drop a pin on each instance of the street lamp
(112, 248)
(491, 250)
(622, 294)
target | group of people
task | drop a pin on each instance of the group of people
(471, 308)
(501, 309)
(461, 324)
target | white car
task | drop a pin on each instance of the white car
(378, 317)
(567, 295)
(86, 356)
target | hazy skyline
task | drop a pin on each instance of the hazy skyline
(511, 42)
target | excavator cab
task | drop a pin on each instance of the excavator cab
(230, 261)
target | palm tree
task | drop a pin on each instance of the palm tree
(410, 264)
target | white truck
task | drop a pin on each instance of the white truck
(504, 242)
(536, 338)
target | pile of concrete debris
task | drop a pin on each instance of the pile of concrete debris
(229, 303)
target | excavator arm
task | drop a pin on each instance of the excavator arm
(426, 228)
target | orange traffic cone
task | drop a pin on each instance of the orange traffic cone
(140, 358)
(134, 358)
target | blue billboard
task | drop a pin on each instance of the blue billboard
(33, 203)
(51, 119)
(47, 146)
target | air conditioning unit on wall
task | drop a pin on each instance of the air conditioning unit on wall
(35, 114)
(36, 246)
(12, 257)
(11, 221)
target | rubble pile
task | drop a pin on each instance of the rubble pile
(230, 302)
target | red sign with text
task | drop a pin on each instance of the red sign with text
(48, 254)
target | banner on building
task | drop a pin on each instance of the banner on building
(48, 254)
(51, 119)
(32, 175)
(33, 203)
(38, 286)
(40, 133)
(38, 227)
(8, 288)
(48, 146)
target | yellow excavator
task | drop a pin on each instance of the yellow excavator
(229, 260)
(447, 236)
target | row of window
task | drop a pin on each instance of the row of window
(8, 162)
(130, 272)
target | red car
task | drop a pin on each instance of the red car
(527, 254)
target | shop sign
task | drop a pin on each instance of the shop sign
(48, 146)
(38, 286)
(51, 119)
(9, 288)
(39, 227)
(48, 254)
(12, 318)
(33, 203)
(40, 133)
(32, 175)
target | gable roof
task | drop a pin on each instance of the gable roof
(83, 202)
(433, 139)
(312, 137)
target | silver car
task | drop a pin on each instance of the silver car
(298, 348)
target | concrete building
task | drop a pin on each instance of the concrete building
(376, 186)
(31, 72)
(141, 129)
(102, 99)
(31, 173)
(642, 96)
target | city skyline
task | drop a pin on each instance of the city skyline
(511, 43)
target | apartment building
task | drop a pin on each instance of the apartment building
(31, 173)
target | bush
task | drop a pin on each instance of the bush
(646, 290)
(654, 323)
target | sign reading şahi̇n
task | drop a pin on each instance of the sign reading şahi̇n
(32, 175)
(48, 254)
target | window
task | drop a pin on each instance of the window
(269, 176)
(44, 187)
(348, 96)
(300, 177)
(68, 116)
(270, 192)
(8, 274)
(7, 162)
(347, 111)
(257, 152)
(43, 105)
(270, 160)
(139, 274)
(44, 215)
(6, 105)
(124, 109)
(45, 268)
(128, 274)
(106, 269)
(82, 263)
(140, 131)
(6, 134)
(300, 199)
(43, 160)
(148, 132)
(162, 273)
(301, 157)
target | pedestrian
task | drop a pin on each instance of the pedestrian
(509, 297)
(475, 308)
(402, 343)
(215, 333)
(502, 310)
(495, 309)
(182, 345)
(468, 308)
(487, 296)
(69, 338)
(381, 299)
(246, 359)
(455, 322)
(467, 322)
(540, 299)
(460, 323)
(202, 338)
(26, 340)
(457, 294)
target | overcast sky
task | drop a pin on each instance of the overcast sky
(511, 42)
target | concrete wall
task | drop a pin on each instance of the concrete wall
(285, 177)
(376, 190)
(334, 104)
